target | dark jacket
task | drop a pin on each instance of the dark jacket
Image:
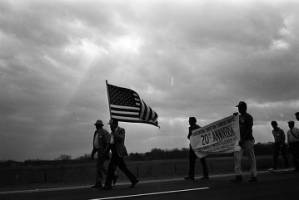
(246, 123)
(279, 136)
(119, 142)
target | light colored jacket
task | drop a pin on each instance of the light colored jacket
(293, 135)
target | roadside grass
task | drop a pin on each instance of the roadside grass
(84, 173)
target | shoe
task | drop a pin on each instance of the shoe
(189, 178)
(253, 179)
(114, 179)
(107, 187)
(237, 179)
(134, 183)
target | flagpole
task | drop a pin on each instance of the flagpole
(108, 98)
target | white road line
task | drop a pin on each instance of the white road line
(151, 193)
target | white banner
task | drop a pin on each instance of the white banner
(218, 137)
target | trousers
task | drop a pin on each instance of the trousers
(192, 160)
(247, 146)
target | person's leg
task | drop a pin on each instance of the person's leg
(275, 155)
(111, 170)
(296, 155)
(192, 159)
(284, 155)
(237, 166)
(204, 167)
(249, 145)
(238, 161)
(123, 167)
(99, 173)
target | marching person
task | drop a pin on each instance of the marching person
(119, 151)
(192, 155)
(293, 141)
(101, 147)
(246, 143)
(279, 145)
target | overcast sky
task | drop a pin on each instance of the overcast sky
(184, 58)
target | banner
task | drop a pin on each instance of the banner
(218, 137)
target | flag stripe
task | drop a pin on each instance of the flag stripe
(124, 118)
(124, 107)
(123, 113)
(125, 110)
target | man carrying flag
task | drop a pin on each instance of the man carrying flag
(125, 105)
(119, 151)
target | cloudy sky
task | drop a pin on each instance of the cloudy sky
(184, 58)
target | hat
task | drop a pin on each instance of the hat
(241, 104)
(99, 122)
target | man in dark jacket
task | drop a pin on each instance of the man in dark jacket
(101, 147)
(192, 155)
(279, 145)
(246, 143)
(119, 151)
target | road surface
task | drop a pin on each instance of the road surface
(272, 186)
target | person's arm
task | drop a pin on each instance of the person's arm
(189, 133)
(93, 152)
(288, 137)
(93, 149)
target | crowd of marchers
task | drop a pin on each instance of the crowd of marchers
(106, 144)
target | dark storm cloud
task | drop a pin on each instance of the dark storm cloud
(183, 57)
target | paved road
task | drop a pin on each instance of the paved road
(274, 186)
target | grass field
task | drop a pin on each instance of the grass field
(84, 173)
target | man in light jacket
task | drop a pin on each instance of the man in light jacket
(101, 147)
(293, 141)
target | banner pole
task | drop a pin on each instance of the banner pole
(109, 105)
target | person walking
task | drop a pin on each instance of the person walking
(119, 151)
(297, 116)
(293, 141)
(101, 147)
(246, 143)
(279, 145)
(192, 155)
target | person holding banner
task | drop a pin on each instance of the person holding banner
(293, 141)
(119, 151)
(246, 143)
(192, 155)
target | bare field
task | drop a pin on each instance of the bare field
(84, 173)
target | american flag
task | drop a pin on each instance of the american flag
(126, 105)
